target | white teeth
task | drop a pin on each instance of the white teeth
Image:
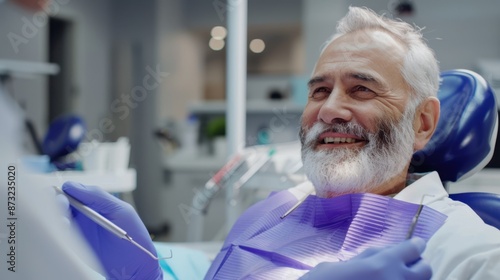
(338, 140)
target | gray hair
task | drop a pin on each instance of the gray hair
(420, 67)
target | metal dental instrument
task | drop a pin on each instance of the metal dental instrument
(414, 221)
(105, 223)
(297, 204)
(417, 215)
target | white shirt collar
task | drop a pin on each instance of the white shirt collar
(425, 190)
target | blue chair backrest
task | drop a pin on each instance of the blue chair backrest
(464, 140)
(486, 205)
(465, 136)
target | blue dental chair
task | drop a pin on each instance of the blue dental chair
(464, 140)
(63, 137)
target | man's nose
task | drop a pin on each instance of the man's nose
(336, 108)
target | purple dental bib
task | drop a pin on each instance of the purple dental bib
(261, 245)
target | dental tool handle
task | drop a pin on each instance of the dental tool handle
(105, 223)
(94, 216)
(414, 221)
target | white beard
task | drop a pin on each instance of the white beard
(347, 170)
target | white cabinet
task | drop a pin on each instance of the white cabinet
(183, 176)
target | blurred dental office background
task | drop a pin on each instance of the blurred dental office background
(153, 72)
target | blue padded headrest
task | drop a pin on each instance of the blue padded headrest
(464, 140)
(486, 205)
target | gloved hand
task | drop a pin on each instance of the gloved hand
(119, 258)
(401, 261)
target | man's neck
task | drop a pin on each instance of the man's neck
(389, 188)
(393, 186)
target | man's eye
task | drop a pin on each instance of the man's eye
(319, 93)
(361, 88)
(362, 91)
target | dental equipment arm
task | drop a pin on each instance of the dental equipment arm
(120, 258)
(401, 261)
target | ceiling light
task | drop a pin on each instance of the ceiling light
(219, 32)
(215, 44)
(257, 45)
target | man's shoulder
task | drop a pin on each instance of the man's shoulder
(464, 244)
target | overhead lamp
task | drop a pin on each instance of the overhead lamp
(216, 44)
(257, 45)
(218, 32)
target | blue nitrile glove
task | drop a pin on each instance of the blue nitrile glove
(119, 258)
(401, 261)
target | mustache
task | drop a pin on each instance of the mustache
(310, 136)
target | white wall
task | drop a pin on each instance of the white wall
(182, 54)
(319, 20)
(205, 14)
(460, 31)
(29, 45)
(92, 45)
(92, 51)
(134, 27)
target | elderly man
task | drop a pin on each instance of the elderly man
(372, 104)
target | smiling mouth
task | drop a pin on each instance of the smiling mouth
(339, 140)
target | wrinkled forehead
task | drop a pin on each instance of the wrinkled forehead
(370, 37)
(374, 51)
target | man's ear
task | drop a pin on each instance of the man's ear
(425, 122)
